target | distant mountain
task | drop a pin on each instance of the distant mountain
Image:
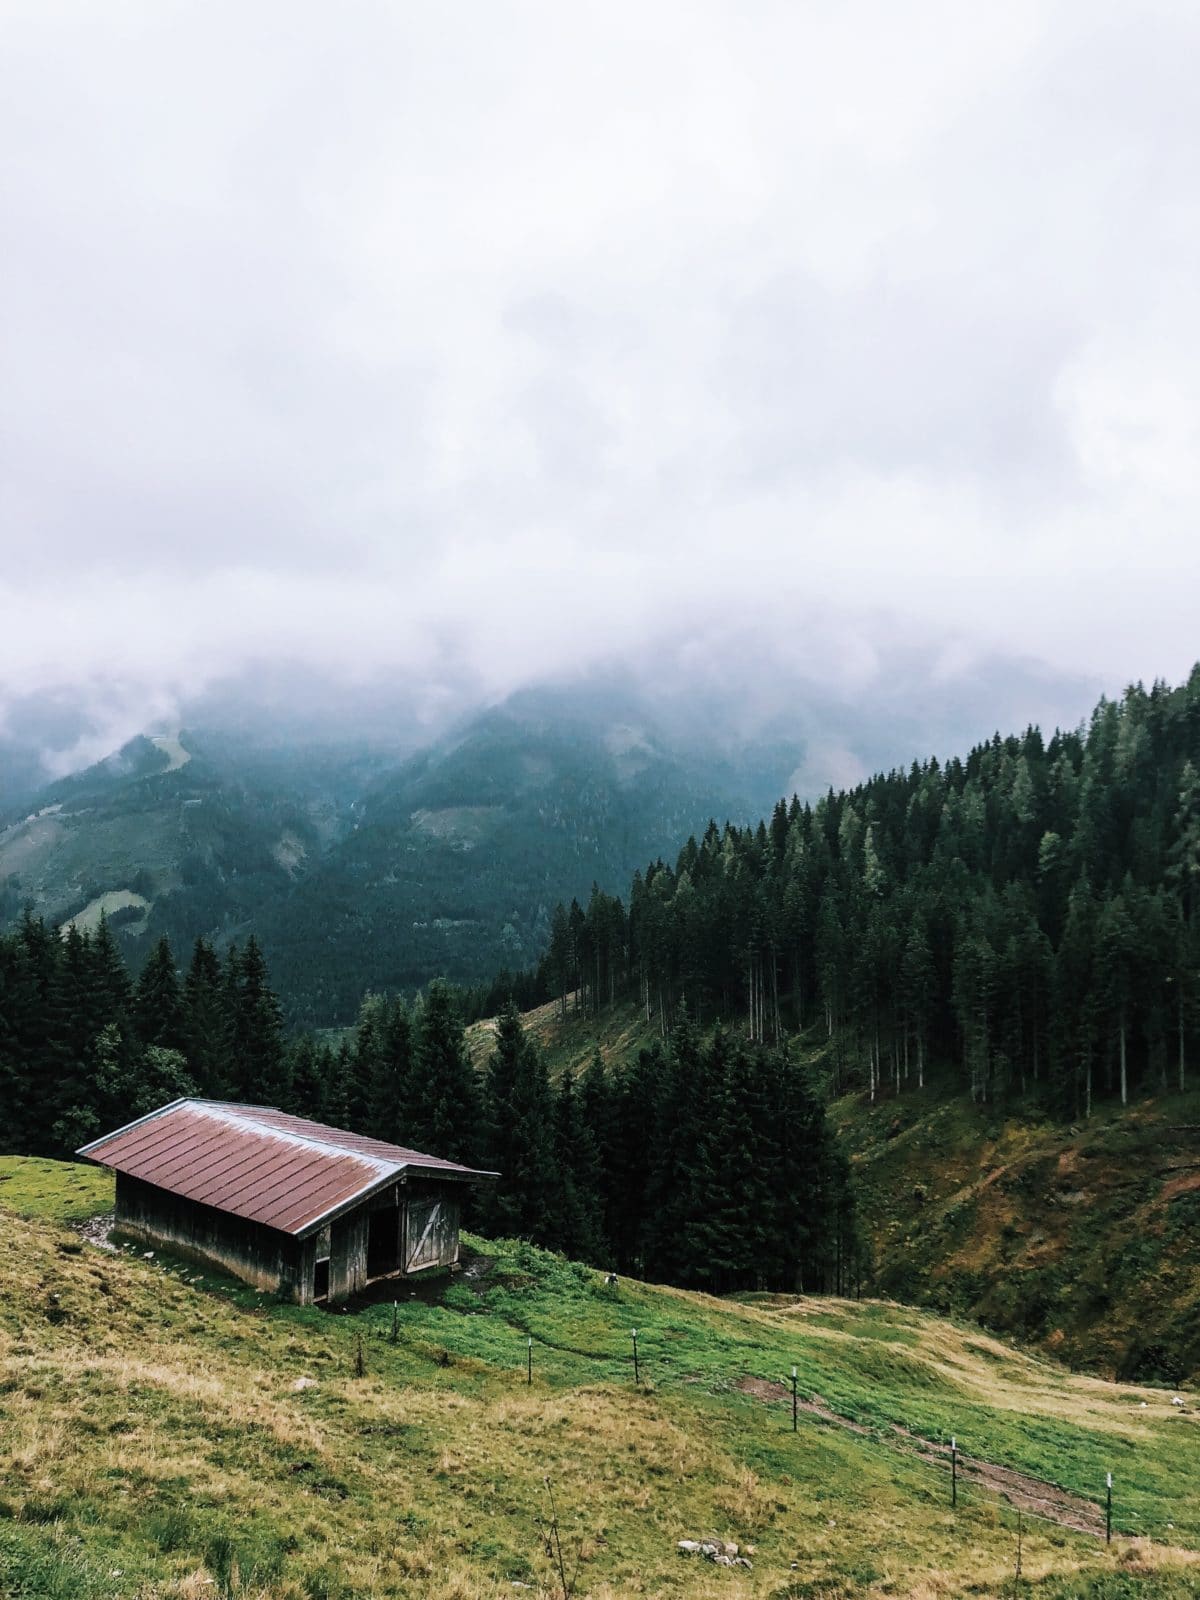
(454, 861)
(367, 853)
(163, 826)
(359, 873)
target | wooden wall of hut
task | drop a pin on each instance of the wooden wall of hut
(262, 1256)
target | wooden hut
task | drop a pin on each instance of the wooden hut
(294, 1207)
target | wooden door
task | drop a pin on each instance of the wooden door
(428, 1235)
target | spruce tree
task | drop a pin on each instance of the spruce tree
(258, 1048)
(442, 1114)
(158, 1001)
(207, 1023)
(391, 1082)
(526, 1201)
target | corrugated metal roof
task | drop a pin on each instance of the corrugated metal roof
(255, 1162)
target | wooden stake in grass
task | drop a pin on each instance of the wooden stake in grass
(795, 1404)
(395, 1322)
(953, 1471)
(636, 1374)
(554, 1549)
(1108, 1511)
(360, 1366)
(1020, 1540)
(529, 1362)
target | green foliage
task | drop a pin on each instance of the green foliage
(1030, 913)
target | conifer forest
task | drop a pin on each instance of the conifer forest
(1026, 915)
(1029, 914)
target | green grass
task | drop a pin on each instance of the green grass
(154, 1444)
(1084, 1239)
(54, 1190)
(570, 1041)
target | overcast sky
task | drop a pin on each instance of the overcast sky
(492, 339)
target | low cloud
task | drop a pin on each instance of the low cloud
(464, 350)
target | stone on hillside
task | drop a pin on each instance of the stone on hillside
(723, 1553)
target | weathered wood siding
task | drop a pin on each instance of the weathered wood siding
(431, 1231)
(425, 1235)
(348, 1255)
(258, 1255)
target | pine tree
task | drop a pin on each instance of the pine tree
(308, 1079)
(918, 984)
(158, 1001)
(520, 1138)
(391, 1083)
(442, 1116)
(260, 1059)
(579, 1231)
(207, 1024)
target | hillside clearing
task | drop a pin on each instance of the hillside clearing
(104, 905)
(170, 746)
(1083, 1238)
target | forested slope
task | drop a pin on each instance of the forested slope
(359, 871)
(1030, 913)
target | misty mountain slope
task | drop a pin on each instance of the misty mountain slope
(154, 828)
(456, 860)
(357, 873)
(362, 862)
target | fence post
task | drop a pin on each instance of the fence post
(795, 1404)
(953, 1471)
(636, 1374)
(1108, 1510)
(529, 1361)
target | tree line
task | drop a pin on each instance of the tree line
(1030, 915)
(706, 1163)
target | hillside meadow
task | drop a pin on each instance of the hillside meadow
(1081, 1238)
(170, 1434)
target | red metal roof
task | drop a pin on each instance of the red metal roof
(255, 1162)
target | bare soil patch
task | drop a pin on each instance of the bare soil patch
(96, 1230)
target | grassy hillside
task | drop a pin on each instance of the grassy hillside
(1083, 1238)
(570, 1040)
(159, 1441)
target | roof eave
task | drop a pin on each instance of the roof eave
(307, 1229)
(159, 1111)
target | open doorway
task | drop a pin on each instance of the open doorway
(383, 1242)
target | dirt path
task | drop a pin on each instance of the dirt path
(1034, 1496)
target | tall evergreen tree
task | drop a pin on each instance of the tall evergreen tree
(259, 1057)
(158, 1000)
(442, 1115)
(207, 1023)
(520, 1135)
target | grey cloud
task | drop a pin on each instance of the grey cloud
(470, 347)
